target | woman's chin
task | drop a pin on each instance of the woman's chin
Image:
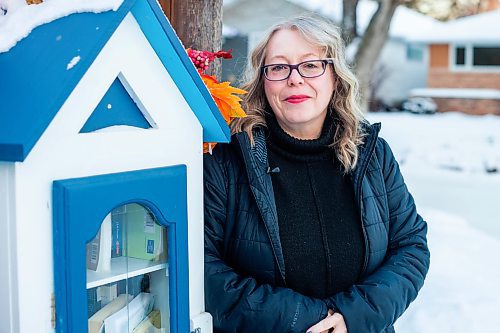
(301, 118)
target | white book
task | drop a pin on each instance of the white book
(129, 317)
(99, 248)
(97, 320)
(150, 324)
(106, 294)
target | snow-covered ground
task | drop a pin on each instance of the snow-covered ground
(451, 163)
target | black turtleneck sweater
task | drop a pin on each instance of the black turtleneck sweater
(319, 222)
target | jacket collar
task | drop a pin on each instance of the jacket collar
(365, 152)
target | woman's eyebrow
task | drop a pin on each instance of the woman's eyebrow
(282, 57)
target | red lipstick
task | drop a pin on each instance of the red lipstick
(296, 99)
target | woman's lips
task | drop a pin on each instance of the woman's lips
(296, 99)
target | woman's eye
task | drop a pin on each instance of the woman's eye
(278, 68)
(311, 65)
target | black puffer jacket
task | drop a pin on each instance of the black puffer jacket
(245, 280)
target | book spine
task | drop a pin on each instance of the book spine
(117, 225)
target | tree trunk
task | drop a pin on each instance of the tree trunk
(349, 19)
(369, 50)
(166, 5)
(198, 23)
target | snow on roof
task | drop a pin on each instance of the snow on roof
(405, 24)
(480, 28)
(408, 23)
(457, 93)
(17, 19)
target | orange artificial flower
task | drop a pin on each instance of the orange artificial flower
(226, 100)
(223, 93)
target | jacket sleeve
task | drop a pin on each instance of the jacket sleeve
(239, 303)
(380, 298)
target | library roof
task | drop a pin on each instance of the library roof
(41, 70)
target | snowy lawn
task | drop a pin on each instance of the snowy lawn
(451, 163)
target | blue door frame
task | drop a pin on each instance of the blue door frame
(79, 207)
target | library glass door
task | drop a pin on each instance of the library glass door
(127, 273)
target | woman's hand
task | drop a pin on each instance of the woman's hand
(334, 322)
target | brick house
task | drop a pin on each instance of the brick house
(464, 64)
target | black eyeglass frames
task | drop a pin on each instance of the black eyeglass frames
(307, 69)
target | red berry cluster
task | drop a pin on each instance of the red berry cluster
(202, 59)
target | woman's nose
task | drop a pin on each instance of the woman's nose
(295, 78)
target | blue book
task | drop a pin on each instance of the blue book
(117, 226)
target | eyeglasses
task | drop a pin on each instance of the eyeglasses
(307, 69)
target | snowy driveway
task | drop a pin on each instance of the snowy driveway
(449, 163)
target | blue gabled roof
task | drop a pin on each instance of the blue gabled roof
(35, 80)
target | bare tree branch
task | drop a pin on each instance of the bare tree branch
(371, 45)
(349, 20)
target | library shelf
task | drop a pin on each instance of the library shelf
(122, 268)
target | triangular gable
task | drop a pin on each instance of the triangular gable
(117, 107)
(39, 73)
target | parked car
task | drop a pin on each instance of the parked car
(419, 105)
(377, 105)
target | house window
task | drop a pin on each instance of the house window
(414, 52)
(486, 56)
(476, 57)
(460, 56)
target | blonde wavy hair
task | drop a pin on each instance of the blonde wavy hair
(344, 105)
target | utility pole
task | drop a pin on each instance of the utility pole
(198, 23)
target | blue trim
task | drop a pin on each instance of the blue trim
(115, 108)
(156, 27)
(81, 204)
(35, 81)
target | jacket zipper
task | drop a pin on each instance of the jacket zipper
(360, 202)
(272, 245)
(282, 274)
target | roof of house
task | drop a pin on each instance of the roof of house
(243, 17)
(41, 70)
(405, 24)
(480, 28)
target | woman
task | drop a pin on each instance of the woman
(309, 226)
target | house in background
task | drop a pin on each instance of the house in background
(245, 23)
(464, 66)
(403, 62)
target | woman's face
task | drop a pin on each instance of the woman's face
(300, 104)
